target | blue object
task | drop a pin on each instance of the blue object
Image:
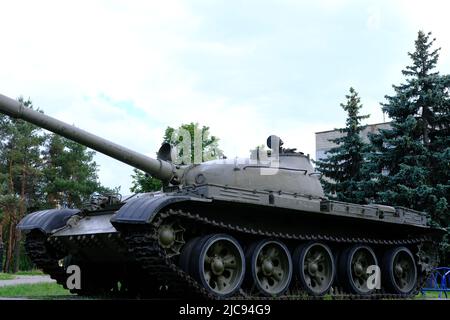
(439, 280)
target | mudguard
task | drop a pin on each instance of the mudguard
(47, 220)
(142, 210)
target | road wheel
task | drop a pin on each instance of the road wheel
(270, 267)
(314, 266)
(218, 263)
(399, 271)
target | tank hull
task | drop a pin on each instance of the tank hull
(127, 243)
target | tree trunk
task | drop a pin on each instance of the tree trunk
(12, 223)
(11, 244)
(17, 252)
(1, 244)
(20, 214)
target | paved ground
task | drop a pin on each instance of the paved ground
(25, 280)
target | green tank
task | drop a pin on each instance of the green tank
(228, 228)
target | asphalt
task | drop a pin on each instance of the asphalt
(26, 280)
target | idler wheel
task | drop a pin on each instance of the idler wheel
(170, 237)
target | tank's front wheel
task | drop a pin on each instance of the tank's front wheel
(218, 263)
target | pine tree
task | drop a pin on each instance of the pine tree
(38, 171)
(410, 163)
(342, 168)
(203, 147)
(20, 167)
(70, 173)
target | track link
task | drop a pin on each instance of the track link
(142, 242)
(162, 271)
(37, 251)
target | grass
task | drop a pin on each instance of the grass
(34, 290)
(11, 276)
(432, 294)
(34, 272)
(6, 276)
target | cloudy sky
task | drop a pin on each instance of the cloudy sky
(126, 70)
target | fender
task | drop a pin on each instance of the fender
(142, 210)
(46, 220)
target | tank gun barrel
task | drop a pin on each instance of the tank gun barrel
(157, 168)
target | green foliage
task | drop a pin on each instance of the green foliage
(201, 147)
(342, 168)
(198, 147)
(6, 276)
(20, 163)
(31, 272)
(144, 183)
(70, 172)
(20, 178)
(409, 163)
(34, 290)
(38, 171)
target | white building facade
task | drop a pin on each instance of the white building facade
(322, 138)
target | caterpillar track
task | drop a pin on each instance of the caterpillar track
(165, 277)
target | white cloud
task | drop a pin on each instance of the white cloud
(79, 60)
(374, 18)
(429, 16)
(59, 52)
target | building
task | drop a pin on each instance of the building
(322, 138)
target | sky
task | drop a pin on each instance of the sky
(125, 70)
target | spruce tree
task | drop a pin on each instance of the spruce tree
(342, 168)
(409, 165)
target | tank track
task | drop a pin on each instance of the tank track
(143, 244)
(157, 267)
(37, 251)
(42, 254)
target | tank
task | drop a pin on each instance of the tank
(226, 229)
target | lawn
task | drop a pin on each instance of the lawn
(6, 276)
(11, 276)
(34, 272)
(44, 290)
(53, 290)
(432, 294)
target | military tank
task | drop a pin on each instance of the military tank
(231, 228)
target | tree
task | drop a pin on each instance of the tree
(342, 168)
(38, 171)
(70, 172)
(143, 182)
(201, 147)
(20, 176)
(409, 165)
